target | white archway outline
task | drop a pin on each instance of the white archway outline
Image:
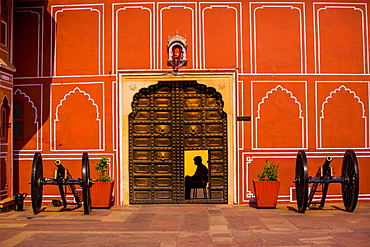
(36, 118)
(32, 104)
(332, 93)
(75, 90)
(300, 115)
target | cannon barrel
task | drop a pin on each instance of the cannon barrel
(58, 163)
(327, 162)
(325, 170)
(61, 171)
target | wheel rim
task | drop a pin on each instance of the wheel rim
(350, 186)
(301, 181)
(86, 183)
(36, 183)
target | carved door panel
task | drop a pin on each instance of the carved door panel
(167, 119)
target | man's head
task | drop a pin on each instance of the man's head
(197, 160)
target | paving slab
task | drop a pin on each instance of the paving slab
(187, 225)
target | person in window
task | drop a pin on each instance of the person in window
(200, 177)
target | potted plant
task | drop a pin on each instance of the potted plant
(102, 189)
(266, 188)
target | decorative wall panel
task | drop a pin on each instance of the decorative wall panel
(31, 98)
(176, 18)
(341, 35)
(77, 123)
(278, 37)
(342, 114)
(279, 110)
(74, 36)
(221, 36)
(133, 36)
(29, 55)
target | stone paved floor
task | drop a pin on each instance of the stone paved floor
(188, 225)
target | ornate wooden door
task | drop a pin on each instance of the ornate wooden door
(167, 119)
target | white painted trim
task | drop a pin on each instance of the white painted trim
(247, 192)
(320, 114)
(55, 9)
(99, 119)
(39, 11)
(302, 32)
(193, 10)
(303, 116)
(238, 30)
(116, 8)
(362, 7)
(38, 115)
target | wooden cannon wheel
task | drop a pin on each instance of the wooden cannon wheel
(86, 183)
(350, 186)
(301, 181)
(36, 183)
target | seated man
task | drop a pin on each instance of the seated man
(200, 177)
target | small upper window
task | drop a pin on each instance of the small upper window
(3, 33)
(4, 21)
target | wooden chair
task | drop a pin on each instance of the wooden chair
(200, 186)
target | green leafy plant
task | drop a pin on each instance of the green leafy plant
(269, 172)
(102, 167)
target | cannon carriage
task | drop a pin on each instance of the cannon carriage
(62, 178)
(349, 180)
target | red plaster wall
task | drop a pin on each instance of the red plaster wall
(289, 58)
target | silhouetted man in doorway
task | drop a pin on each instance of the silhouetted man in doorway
(200, 177)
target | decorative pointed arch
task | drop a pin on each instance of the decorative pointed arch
(336, 91)
(77, 123)
(345, 107)
(31, 109)
(5, 101)
(274, 131)
(36, 118)
(276, 89)
(5, 112)
(72, 92)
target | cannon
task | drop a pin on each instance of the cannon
(349, 179)
(62, 178)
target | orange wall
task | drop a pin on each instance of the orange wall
(302, 77)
